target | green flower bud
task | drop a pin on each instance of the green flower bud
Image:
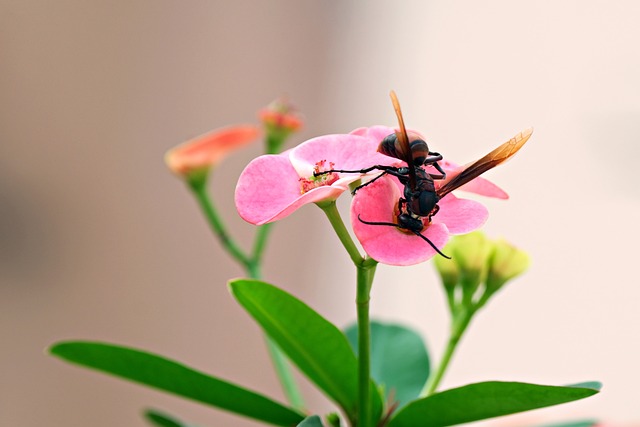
(471, 252)
(447, 269)
(505, 263)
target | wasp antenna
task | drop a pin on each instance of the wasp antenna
(390, 224)
(435, 248)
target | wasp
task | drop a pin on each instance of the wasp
(420, 194)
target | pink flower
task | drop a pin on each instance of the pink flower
(273, 186)
(378, 202)
(199, 154)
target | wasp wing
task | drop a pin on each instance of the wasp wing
(403, 140)
(489, 161)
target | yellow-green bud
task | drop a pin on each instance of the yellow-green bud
(470, 252)
(447, 269)
(505, 263)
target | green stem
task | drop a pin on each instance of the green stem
(285, 375)
(459, 324)
(274, 141)
(366, 268)
(215, 221)
(252, 268)
(260, 243)
(280, 362)
(330, 209)
(364, 280)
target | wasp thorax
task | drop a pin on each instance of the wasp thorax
(392, 147)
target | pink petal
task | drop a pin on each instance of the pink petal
(349, 152)
(387, 244)
(460, 215)
(269, 189)
(374, 133)
(485, 188)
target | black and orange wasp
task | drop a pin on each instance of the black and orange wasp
(421, 195)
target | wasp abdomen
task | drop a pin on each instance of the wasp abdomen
(391, 146)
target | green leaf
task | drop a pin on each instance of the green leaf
(485, 400)
(167, 375)
(161, 419)
(580, 423)
(399, 359)
(310, 341)
(311, 421)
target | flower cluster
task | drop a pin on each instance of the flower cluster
(273, 186)
(480, 265)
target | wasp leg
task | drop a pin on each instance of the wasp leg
(353, 193)
(435, 157)
(361, 171)
(433, 161)
(441, 175)
(385, 170)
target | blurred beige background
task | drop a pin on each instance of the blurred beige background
(99, 241)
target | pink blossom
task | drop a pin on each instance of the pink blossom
(378, 202)
(273, 186)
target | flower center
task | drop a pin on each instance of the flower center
(319, 177)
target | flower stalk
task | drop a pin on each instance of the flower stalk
(459, 325)
(331, 211)
(365, 268)
(363, 296)
(252, 266)
(216, 223)
(478, 269)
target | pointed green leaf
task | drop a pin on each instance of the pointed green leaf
(485, 400)
(311, 421)
(580, 423)
(161, 419)
(310, 341)
(399, 359)
(167, 375)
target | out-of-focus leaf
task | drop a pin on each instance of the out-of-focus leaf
(167, 375)
(399, 359)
